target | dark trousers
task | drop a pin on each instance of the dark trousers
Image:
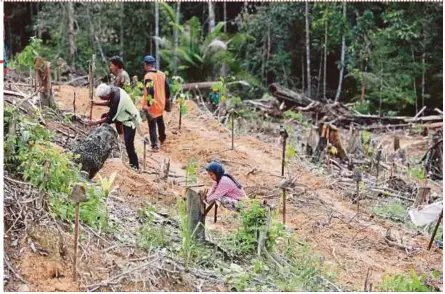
(129, 134)
(159, 121)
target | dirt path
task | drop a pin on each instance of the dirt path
(319, 216)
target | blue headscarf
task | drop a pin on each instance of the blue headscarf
(219, 171)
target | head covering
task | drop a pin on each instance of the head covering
(149, 59)
(219, 171)
(103, 90)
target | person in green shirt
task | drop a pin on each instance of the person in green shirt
(213, 99)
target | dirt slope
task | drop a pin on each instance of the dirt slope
(320, 216)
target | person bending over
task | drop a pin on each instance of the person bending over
(225, 189)
(123, 113)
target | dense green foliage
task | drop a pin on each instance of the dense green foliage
(30, 154)
(393, 54)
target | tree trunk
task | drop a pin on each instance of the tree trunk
(225, 16)
(121, 52)
(39, 28)
(303, 82)
(342, 60)
(101, 140)
(414, 82)
(95, 38)
(158, 58)
(176, 35)
(423, 70)
(319, 74)
(224, 65)
(381, 87)
(71, 42)
(362, 96)
(308, 52)
(211, 17)
(325, 57)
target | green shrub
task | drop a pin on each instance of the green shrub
(403, 283)
(253, 221)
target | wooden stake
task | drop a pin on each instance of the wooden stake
(435, 230)
(90, 86)
(284, 206)
(366, 281)
(233, 130)
(283, 161)
(76, 238)
(180, 116)
(145, 153)
(74, 102)
(215, 217)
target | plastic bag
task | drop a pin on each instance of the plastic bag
(426, 215)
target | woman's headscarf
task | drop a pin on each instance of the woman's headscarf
(219, 171)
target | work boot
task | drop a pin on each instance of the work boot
(155, 148)
(163, 140)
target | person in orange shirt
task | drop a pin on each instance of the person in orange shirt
(156, 97)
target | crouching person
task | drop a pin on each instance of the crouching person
(225, 189)
(123, 113)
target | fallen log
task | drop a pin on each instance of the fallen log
(289, 96)
(430, 118)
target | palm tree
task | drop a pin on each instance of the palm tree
(200, 58)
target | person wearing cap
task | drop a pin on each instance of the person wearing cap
(154, 101)
(122, 112)
(225, 188)
(121, 77)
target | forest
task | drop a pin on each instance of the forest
(384, 57)
(295, 146)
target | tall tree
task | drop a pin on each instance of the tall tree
(71, 42)
(176, 34)
(342, 59)
(122, 16)
(308, 51)
(158, 56)
(211, 17)
(325, 56)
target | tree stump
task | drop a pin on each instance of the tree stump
(329, 135)
(94, 149)
(196, 214)
(422, 193)
(43, 77)
(355, 142)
